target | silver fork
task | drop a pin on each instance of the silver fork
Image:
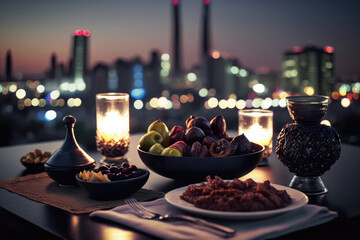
(145, 213)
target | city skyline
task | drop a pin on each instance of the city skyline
(257, 33)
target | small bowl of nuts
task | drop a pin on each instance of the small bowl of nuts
(34, 161)
(112, 182)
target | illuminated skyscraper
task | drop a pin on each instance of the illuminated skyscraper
(80, 58)
(176, 38)
(8, 66)
(309, 66)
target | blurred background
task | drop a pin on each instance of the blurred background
(175, 58)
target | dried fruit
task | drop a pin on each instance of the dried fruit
(203, 124)
(189, 121)
(181, 146)
(218, 125)
(240, 145)
(177, 134)
(221, 149)
(194, 134)
(195, 149)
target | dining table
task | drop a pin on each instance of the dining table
(22, 218)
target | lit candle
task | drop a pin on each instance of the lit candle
(257, 134)
(112, 119)
(257, 126)
(113, 126)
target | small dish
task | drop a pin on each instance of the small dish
(298, 200)
(33, 167)
(114, 189)
(197, 168)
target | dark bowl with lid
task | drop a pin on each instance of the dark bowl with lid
(70, 159)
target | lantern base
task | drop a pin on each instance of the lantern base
(308, 185)
(117, 161)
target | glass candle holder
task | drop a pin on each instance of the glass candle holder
(112, 127)
(257, 125)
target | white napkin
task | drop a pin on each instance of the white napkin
(308, 216)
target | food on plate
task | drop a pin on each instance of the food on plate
(201, 138)
(236, 195)
(36, 157)
(111, 173)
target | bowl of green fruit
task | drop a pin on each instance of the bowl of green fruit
(199, 149)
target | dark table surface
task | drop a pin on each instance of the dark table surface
(27, 219)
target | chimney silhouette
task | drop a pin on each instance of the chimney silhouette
(206, 32)
(176, 66)
(8, 66)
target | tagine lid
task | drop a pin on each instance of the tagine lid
(70, 154)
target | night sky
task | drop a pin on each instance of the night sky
(256, 31)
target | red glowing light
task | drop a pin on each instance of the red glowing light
(207, 2)
(81, 32)
(86, 33)
(175, 2)
(297, 49)
(215, 54)
(329, 49)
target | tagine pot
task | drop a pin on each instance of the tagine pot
(69, 159)
(307, 147)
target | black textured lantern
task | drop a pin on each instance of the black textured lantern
(307, 147)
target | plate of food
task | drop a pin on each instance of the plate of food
(236, 199)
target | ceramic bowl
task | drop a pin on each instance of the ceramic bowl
(196, 168)
(114, 189)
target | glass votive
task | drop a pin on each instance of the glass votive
(257, 125)
(112, 127)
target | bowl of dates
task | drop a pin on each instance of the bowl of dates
(199, 149)
(110, 183)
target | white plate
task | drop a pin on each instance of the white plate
(298, 200)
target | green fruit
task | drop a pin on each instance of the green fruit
(157, 148)
(170, 151)
(150, 139)
(161, 128)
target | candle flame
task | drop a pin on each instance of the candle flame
(113, 126)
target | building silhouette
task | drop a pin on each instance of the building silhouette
(205, 49)
(176, 65)
(53, 66)
(8, 67)
(309, 66)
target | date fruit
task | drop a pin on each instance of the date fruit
(177, 134)
(181, 146)
(240, 145)
(194, 134)
(218, 125)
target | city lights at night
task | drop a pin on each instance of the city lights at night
(175, 78)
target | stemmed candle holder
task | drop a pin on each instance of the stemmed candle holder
(112, 121)
(257, 125)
